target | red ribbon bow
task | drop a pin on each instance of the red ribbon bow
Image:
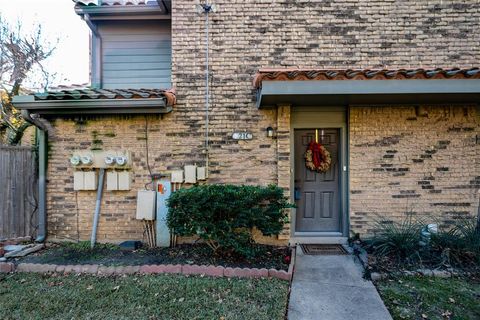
(317, 156)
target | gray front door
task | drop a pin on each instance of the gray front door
(317, 194)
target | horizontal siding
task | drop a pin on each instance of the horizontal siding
(136, 54)
(146, 85)
(135, 80)
(136, 50)
(161, 44)
(144, 66)
(154, 37)
(133, 73)
(137, 58)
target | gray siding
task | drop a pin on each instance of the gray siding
(136, 54)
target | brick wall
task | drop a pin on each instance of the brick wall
(172, 144)
(249, 34)
(245, 36)
(423, 161)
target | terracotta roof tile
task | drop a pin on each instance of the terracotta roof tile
(89, 93)
(349, 74)
(114, 3)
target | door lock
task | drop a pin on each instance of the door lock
(297, 194)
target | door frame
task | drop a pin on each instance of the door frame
(330, 120)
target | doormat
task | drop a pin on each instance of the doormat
(323, 249)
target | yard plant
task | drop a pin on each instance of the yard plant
(407, 244)
(225, 215)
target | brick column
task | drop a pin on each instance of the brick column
(283, 157)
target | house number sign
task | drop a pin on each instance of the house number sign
(242, 136)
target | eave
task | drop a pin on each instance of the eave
(130, 12)
(93, 107)
(352, 87)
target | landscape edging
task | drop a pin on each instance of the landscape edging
(186, 269)
(376, 276)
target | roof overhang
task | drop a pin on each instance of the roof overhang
(156, 10)
(349, 92)
(301, 91)
(92, 107)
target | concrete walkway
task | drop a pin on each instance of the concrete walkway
(331, 288)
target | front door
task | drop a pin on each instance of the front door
(317, 194)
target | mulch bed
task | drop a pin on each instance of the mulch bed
(268, 256)
(392, 265)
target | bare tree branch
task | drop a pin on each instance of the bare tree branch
(20, 55)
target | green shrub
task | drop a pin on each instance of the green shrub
(403, 244)
(459, 245)
(224, 215)
(399, 240)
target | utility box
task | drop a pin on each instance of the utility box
(90, 180)
(201, 173)
(112, 181)
(78, 181)
(118, 181)
(124, 181)
(146, 205)
(177, 176)
(191, 174)
(164, 190)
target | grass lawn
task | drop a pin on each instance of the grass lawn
(431, 298)
(34, 296)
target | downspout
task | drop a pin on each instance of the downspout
(96, 53)
(478, 213)
(96, 216)
(42, 174)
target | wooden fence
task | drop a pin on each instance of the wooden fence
(18, 192)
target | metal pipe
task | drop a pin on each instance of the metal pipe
(42, 174)
(42, 186)
(98, 203)
(478, 213)
(96, 57)
(207, 89)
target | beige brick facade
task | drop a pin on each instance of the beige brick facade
(385, 142)
(423, 161)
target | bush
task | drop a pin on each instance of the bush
(459, 245)
(224, 215)
(402, 243)
(399, 240)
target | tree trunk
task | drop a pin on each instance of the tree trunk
(14, 136)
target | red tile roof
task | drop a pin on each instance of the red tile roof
(88, 93)
(115, 2)
(368, 74)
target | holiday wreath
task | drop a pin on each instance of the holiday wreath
(317, 158)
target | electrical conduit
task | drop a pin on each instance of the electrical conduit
(96, 216)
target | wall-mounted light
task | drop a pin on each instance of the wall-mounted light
(270, 132)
